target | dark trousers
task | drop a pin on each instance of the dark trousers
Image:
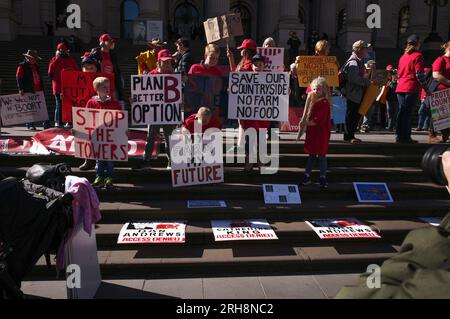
(58, 109)
(406, 103)
(352, 118)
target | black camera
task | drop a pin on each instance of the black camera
(432, 164)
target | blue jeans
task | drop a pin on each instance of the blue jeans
(424, 116)
(406, 103)
(104, 169)
(58, 115)
(323, 164)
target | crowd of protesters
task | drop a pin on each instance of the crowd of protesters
(408, 84)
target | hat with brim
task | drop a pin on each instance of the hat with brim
(32, 54)
(361, 44)
(248, 44)
(156, 42)
(165, 55)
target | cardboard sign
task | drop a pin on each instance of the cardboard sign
(20, 109)
(259, 96)
(274, 58)
(206, 91)
(230, 230)
(433, 221)
(295, 115)
(156, 99)
(206, 204)
(212, 30)
(281, 194)
(440, 109)
(155, 29)
(77, 89)
(380, 77)
(229, 25)
(153, 232)
(199, 162)
(311, 67)
(373, 193)
(100, 134)
(339, 109)
(341, 228)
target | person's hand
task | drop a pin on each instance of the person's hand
(229, 53)
(446, 166)
(21, 92)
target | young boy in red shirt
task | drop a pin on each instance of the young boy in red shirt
(104, 169)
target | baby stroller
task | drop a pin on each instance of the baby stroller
(34, 220)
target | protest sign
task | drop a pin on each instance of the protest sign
(77, 89)
(373, 193)
(295, 115)
(341, 228)
(433, 221)
(212, 30)
(199, 162)
(229, 230)
(339, 109)
(281, 194)
(156, 99)
(259, 96)
(231, 25)
(155, 30)
(153, 232)
(20, 109)
(440, 109)
(274, 58)
(380, 77)
(206, 204)
(311, 67)
(100, 134)
(206, 91)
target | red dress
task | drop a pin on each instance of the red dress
(318, 137)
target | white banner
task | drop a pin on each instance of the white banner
(259, 96)
(156, 99)
(228, 230)
(100, 134)
(153, 232)
(440, 109)
(274, 58)
(20, 109)
(281, 194)
(341, 228)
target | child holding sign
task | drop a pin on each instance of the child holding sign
(318, 131)
(104, 169)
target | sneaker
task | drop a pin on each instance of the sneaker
(109, 183)
(98, 182)
(323, 183)
(355, 141)
(306, 180)
(169, 168)
(31, 128)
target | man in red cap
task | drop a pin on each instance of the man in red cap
(61, 61)
(108, 62)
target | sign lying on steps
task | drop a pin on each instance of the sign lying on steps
(153, 232)
(341, 228)
(228, 230)
(373, 193)
(281, 194)
(206, 204)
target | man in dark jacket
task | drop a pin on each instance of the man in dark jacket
(108, 63)
(29, 79)
(186, 60)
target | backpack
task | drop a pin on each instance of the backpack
(51, 176)
(342, 75)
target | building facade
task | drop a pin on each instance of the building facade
(341, 21)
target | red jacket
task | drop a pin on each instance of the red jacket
(202, 70)
(318, 137)
(95, 103)
(190, 122)
(56, 66)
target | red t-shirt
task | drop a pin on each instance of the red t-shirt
(56, 66)
(155, 71)
(442, 65)
(95, 103)
(247, 66)
(408, 65)
(190, 122)
(107, 65)
(201, 69)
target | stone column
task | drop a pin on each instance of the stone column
(216, 8)
(288, 22)
(31, 22)
(356, 28)
(270, 11)
(8, 21)
(328, 19)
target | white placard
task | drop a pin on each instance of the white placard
(153, 232)
(259, 96)
(440, 109)
(373, 193)
(281, 194)
(341, 228)
(230, 230)
(100, 134)
(206, 204)
(20, 109)
(274, 58)
(156, 99)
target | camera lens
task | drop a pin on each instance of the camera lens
(432, 164)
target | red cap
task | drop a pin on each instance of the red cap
(389, 68)
(427, 70)
(105, 37)
(248, 44)
(165, 55)
(62, 47)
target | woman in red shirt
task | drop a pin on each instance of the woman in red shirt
(411, 77)
(441, 74)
